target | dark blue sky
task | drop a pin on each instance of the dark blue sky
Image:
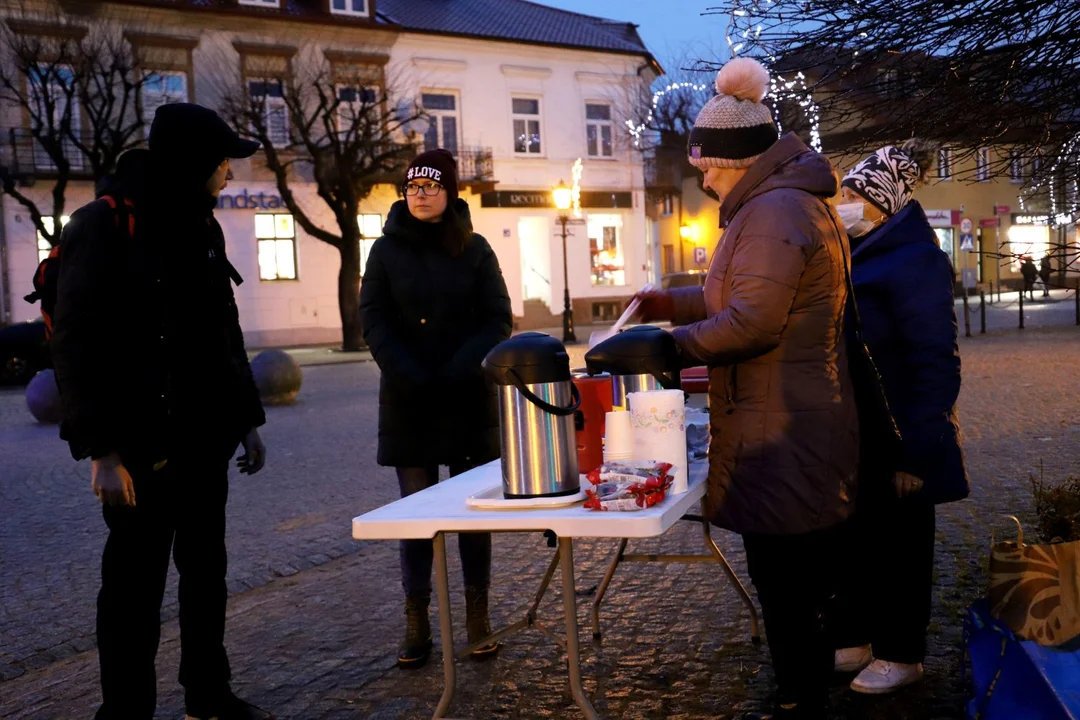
(673, 29)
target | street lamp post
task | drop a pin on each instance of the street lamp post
(563, 198)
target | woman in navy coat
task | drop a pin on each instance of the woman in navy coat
(903, 285)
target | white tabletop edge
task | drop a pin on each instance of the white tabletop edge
(442, 508)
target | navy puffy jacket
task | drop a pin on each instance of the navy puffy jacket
(903, 289)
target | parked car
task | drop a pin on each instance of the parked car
(689, 278)
(24, 351)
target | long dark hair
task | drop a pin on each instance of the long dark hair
(457, 227)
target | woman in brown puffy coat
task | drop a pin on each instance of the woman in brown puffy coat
(769, 325)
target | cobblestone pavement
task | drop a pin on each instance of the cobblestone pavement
(314, 617)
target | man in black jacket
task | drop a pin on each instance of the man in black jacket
(158, 392)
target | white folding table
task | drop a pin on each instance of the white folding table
(442, 509)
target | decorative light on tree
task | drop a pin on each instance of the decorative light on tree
(744, 30)
(637, 130)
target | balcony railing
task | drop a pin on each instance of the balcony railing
(476, 164)
(663, 173)
(24, 155)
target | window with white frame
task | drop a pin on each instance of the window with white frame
(606, 257)
(1016, 166)
(944, 164)
(982, 165)
(54, 101)
(353, 103)
(355, 8)
(161, 88)
(275, 234)
(271, 94)
(667, 207)
(43, 246)
(442, 111)
(527, 129)
(370, 230)
(599, 130)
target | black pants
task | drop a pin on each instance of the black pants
(884, 595)
(417, 555)
(792, 576)
(179, 509)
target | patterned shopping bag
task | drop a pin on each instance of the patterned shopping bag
(1035, 590)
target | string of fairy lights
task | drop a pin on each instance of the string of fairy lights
(1070, 210)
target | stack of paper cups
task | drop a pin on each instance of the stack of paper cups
(658, 418)
(618, 436)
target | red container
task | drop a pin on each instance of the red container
(589, 419)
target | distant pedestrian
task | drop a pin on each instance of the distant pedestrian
(1044, 274)
(158, 392)
(433, 303)
(1031, 274)
(903, 291)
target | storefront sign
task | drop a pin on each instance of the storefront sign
(250, 201)
(1043, 219)
(939, 218)
(1002, 209)
(539, 199)
(990, 222)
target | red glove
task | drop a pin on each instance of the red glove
(656, 305)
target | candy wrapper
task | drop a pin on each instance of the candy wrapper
(628, 486)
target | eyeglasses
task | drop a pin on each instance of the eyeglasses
(430, 190)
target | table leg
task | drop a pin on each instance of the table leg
(566, 560)
(755, 634)
(446, 626)
(604, 587)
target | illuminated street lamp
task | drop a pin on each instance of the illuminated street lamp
(563, 198)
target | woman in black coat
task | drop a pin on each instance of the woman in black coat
(903, 290)
(433, 303)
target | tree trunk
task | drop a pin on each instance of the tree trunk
(349, 295)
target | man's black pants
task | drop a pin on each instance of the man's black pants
(793, 578)
(179, 509)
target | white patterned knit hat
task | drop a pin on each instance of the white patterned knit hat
(734, 127)
(887, 179)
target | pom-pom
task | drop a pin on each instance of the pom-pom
(744, 79)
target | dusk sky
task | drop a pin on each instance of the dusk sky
(673, 30)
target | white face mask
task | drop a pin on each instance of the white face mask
(851, 214)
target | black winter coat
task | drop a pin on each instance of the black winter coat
(903, 289)
(148, 350)
(429, 319)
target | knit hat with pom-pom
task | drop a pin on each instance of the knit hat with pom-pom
(734, 127)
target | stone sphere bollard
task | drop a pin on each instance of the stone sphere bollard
(278, 377)
(43, 398)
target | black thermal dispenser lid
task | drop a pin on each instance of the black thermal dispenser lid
(641, 350)
(535, 357)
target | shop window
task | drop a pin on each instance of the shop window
(355, 8)
(606, 256)
(945, 240)
(982, 165)
(944, 164)
(527, 129)
(271, 94)
(370, 230)
(275, 234)
(43, 246)
(442, 132)
(599, 131)
(1028, 241)
(162, 88)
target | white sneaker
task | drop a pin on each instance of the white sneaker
(881, 677)
(849, 660)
